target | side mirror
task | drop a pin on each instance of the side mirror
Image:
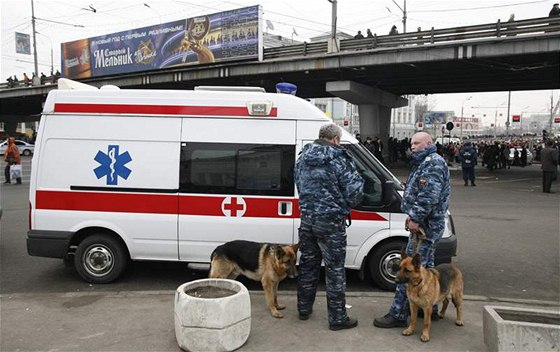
(388, 188)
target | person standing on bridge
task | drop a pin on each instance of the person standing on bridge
(393, 30)
(425, 201)
(26, 79)
(359, 35)
(329, 186)
(555, 11)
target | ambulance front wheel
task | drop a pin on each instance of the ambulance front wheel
(100, 259)
(383, 264)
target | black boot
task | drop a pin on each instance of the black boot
(349, 323)
(387, 321)
(303, 316)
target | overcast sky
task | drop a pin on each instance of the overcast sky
(57, 23)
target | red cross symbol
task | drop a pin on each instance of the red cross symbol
(233, 206)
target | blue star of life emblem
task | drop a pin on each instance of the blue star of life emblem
(112, 165)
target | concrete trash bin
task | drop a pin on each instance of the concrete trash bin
(521, 329)
(212, 315)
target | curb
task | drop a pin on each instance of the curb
(124, 294)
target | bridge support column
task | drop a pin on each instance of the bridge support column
(10, 127)
(374, 107)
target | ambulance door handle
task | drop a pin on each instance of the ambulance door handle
(285, 208)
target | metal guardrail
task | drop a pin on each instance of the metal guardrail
(432, 36)
(493, 30)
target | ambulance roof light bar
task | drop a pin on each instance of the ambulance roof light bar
(230, 89)
(286, 88)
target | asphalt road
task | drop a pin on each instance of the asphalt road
(509, 243)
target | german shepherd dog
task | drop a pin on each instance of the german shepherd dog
(427, 287)
(264, 262)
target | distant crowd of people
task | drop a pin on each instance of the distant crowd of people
(493, 154)
(13, 81)
(359, 35)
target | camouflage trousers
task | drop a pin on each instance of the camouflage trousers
(400, 309)
(321, 239)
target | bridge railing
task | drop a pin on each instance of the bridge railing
(492, 30)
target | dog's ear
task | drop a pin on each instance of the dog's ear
(279, 252)
(416, 261)
(403, 253)
(295, 247)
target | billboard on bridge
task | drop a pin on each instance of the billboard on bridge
(224, 36)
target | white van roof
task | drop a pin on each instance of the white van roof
(215, 103)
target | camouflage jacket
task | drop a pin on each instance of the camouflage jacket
(327, 181)
(427, 191)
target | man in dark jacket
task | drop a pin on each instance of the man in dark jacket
(425, 201)
(329, 186)
(549, 165)
(468, 158)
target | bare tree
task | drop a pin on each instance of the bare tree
(424, 103)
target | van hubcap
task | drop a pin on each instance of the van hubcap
(387, 266)
(98, 260)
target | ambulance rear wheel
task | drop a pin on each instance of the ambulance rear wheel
(100, 259)
(382, 264)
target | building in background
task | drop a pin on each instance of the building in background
(342, 112)
(346, 115)
(466, 126)
(535, 123)
(403, 120)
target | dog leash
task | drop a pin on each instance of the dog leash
(417, 238)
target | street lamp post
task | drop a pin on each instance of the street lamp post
(151, 8)
(36, 65)
(462, 106)
(495, 115)
(404, 14)
(507, 121)
(52, 61)
(333, 42)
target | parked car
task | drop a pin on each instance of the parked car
(512, 156)
(24, 147)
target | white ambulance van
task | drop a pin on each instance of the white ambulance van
(162, 175)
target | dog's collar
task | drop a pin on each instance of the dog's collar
(419, 282)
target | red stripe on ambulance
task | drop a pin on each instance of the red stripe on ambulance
(230, 206)
(111, 202)
(364, 215)
(156, 109)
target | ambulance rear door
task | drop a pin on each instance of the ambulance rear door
(236, 183)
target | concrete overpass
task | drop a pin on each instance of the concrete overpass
(372, 73)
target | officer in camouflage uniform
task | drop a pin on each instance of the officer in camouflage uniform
(425, 201)
(328, 186)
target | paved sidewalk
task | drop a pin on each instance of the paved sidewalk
(143, 321)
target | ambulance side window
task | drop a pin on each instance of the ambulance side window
(372, 184)
(246, 169)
